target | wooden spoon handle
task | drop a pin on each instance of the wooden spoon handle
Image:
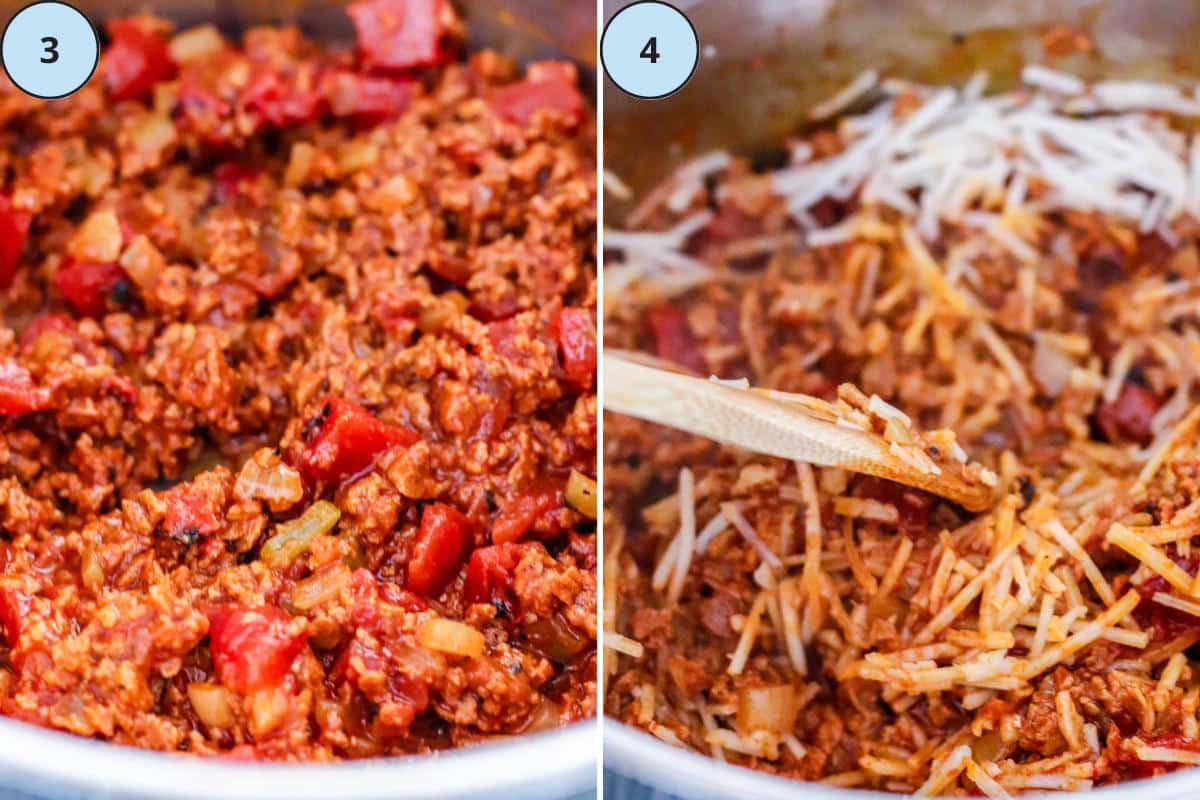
(765, 425)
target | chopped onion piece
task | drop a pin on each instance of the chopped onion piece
(357, 155)
(442, 311)
(142, 262)
(450, 636)
(213, 704)
(767, 708)
(196, 43)
(299, 163)
(1051, 367)
(581, 494)
(268, 709)
(153, 133)
(98, 238)
(264, 477)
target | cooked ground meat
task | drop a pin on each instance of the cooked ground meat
(297, 359)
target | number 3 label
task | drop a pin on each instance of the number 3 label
(649, 49)
(49, 49)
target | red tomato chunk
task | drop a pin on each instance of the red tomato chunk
(14, 606)
(576, 336)
(490, 570)
(367, 100)
(913, 505)
(442, 543)
(136, 60)
(673, 339)
(520, 513)
(228, 178)
(14, 226)
(1128, 417)
(189, 514)
(283, 101)
(1164, 622)
(400, 34)
(86, 285)
(18, 394)
(252, 647)
(344, 439)
(549, 86)
(60, 324)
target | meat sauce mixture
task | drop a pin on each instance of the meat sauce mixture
(296, 385)
(808, 622)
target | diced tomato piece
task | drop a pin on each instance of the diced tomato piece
(18, 394)
(46, 323)
(228, 178)
(368, 594)
(1166, 623)
(86, 285)
(368, 100)
(492, 309)
(399, 596)
(252, 647)
(364, 589)
(490, 570)
(1128, 417)
(136, 60)
(282, 101)
(518, 515)
(576, 334)
(344, 439)
(399, 699)
(190, 514)
(14, 607)
(14, 227)
(729, 223)
(401, 34)
(406, 698)
(440, 548)
(503, 336)
(549, 86)
(912, 505)
(673, 339)
(204, 108)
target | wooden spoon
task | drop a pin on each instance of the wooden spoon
(792, 426)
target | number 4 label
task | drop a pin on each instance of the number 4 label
(649, 49)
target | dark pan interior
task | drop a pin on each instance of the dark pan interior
(764, 63)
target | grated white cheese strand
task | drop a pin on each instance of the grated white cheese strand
(846, 96)
(733, 513)
(715, 527)
(1052, 80)
(686, 546)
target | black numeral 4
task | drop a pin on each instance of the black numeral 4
(650, 51)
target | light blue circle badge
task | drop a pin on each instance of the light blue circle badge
(649, 49)
(49, 49)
